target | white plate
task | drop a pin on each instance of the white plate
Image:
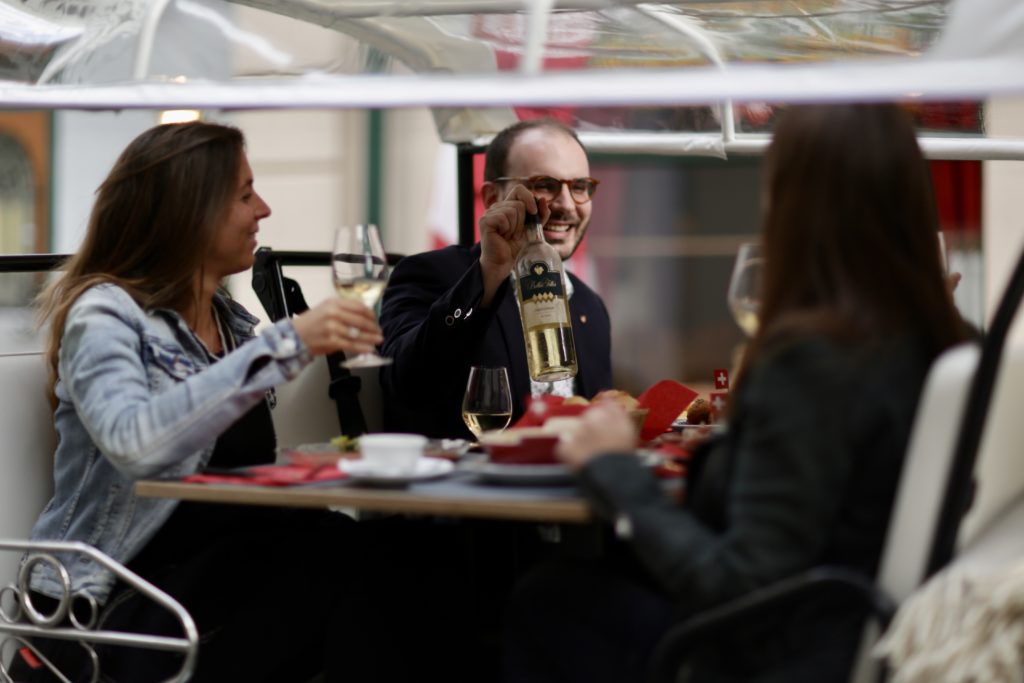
(362, 472)
(530, 475)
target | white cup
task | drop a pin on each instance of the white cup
(395, 454)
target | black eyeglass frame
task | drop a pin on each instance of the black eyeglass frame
(528, 182)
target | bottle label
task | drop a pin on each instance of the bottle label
(543, 297)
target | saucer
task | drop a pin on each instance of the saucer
(369, 474)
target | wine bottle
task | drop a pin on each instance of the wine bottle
(537, 279)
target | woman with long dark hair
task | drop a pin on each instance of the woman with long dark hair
(156, 372)
(856, 308)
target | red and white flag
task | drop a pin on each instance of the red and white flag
(718, 401)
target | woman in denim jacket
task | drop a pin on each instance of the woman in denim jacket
(155, 372)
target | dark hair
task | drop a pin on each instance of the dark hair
(496, 158)
(153, 222)
(850, 230)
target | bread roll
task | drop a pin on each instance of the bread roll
(623, 398)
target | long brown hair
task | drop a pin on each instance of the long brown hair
(152, 224)
(850, 231)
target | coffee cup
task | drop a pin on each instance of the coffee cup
(396, 454)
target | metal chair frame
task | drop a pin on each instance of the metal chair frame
(20, 619)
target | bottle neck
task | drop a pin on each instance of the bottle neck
(534, 229)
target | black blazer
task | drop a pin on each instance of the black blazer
(435, 330)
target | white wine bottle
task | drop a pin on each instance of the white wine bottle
(537, 279)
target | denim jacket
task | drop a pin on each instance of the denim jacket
(137, 398)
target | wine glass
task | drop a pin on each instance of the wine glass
(745, 287)
(359, 268)
(943, 256)
(487, 404)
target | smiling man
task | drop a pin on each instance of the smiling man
(447, 310)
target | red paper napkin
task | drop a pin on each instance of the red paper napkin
(270, 475)
(673, 463)
(664, 401)
(540, 408)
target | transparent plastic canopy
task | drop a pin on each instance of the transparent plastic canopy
(613, 65)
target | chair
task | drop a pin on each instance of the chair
(26, 462)
(26, 483)
(911, 533)
(1000, 466)
(958, 426)
(20, 619)
(356, 394)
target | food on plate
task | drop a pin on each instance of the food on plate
(345, 444)
(699, 412)
(623, 398)
(557, 425)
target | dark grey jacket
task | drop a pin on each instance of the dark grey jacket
(805, 475)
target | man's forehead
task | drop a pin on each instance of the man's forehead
(547, 151)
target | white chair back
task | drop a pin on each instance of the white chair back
(304, 412)
(1000, 465)
(27, 442)
(926, 471)
(922, 485)
(26, 455)
(951, 619)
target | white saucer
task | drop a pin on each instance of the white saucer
(362, 472)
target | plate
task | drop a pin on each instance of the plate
(530, 475)
(713, 428)
(362, 472)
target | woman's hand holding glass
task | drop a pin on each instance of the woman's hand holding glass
(359, 271)
(338, 325)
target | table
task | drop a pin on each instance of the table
(459, 495)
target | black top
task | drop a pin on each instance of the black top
(805, 475)
(249, 441)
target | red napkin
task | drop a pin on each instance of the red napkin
(270, 475)
(540, 408)
(674, 461)
(664, 401)
(674, 451)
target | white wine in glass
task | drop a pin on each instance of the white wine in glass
(359, 269)
(745, 287)
(487, 405)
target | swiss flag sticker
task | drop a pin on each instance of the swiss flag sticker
(718, 400)
(722, 379)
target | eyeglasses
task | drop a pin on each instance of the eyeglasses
(546, 187)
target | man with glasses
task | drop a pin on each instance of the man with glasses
(447, 310)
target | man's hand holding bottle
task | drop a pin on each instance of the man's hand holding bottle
(503, 235)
